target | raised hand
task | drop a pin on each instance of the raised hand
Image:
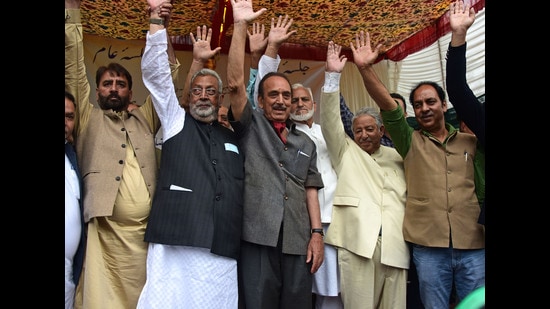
(202, 50)
(278, 33)
(461, 17)
(164, 12)
(257, 40)
(335, 62)
(243, 12)
(155, 4)
(363, 55)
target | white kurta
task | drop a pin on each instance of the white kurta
(188, 277)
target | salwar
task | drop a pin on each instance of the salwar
(369, 284)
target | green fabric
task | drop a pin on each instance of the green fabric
(479, 174)
(400, 131)
(474, 300)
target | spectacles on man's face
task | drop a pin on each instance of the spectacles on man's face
(209, 91)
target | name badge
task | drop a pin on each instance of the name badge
(231, 147)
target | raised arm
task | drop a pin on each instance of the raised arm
(147, 108)
(364, 57)
(155, 68)
(278, 34)
(76, 80)
(202, 52)
(345, 113)
(466, 104)
(347, 116)
(333, 127)
(461, 17)
(335, 62)
(269, 62)
(242, 15)
(257, 41)
(158, 11)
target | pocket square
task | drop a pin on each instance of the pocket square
(178, 188)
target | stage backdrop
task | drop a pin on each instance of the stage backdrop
(427, 64)
(100, 51)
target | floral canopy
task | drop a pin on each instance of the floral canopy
(403, 26)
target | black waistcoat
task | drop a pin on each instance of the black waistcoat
(199, 196)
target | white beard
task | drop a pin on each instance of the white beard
(302, 117)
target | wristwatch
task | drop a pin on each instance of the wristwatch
(320, 231)
(156, 21)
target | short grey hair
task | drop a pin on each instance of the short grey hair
(308, 89)
(372, 111)
(208, 72)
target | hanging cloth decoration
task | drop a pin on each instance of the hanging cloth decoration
(280, 128)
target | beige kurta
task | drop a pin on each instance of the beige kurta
(114, 267)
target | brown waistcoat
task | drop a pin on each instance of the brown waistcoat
(101, 149)
(441, 199)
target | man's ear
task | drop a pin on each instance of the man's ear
(260, 102)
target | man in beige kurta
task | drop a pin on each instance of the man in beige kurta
(369, 203)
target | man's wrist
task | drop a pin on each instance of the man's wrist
(156, 21)
(318, 231)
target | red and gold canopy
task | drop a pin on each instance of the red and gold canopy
(403, 26)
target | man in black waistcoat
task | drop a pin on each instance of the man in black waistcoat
(194, 228)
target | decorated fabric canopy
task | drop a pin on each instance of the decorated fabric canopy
(402, 26)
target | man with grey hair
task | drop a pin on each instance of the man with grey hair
(195, 224)
(326, 281)
(368, 210)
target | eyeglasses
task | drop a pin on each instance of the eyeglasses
(198, 91)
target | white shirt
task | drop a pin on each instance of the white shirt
(326, 194)
(72, 228)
